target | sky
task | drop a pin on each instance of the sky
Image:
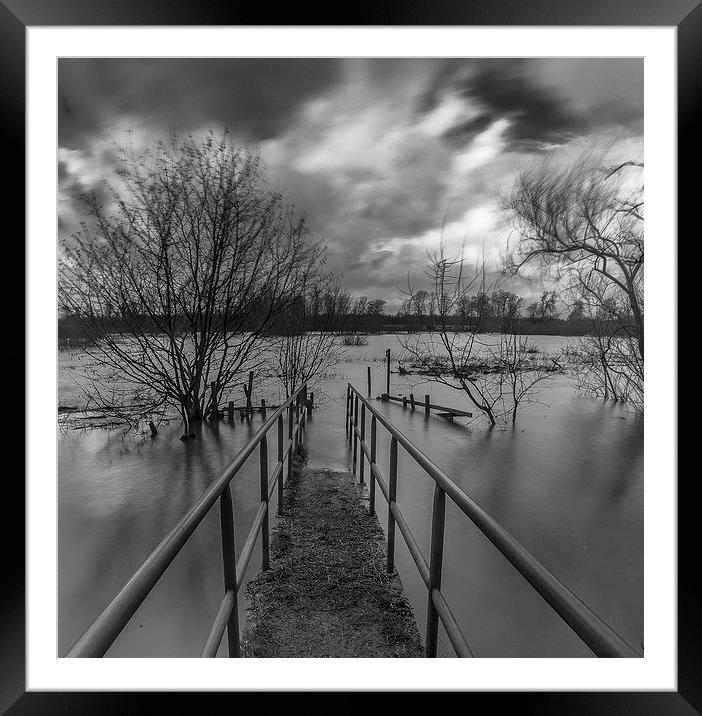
(388, 158)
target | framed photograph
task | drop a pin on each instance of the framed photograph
(343, 326)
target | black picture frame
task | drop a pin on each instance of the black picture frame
(17, 15)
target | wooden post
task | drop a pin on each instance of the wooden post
(412, 400)
(427, 407)
(369, 381)
(249, 404)
(215, 411)
(387, 381)
(404, 402)
(263, 408)
(230, 411)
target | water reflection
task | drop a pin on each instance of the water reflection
(567, 482)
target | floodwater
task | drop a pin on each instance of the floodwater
(566, 481)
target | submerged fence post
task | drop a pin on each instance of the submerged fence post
(215, 408)
(392, 494)
(263, 462)
(363, 438)
(226, 513)
(387, 381)
(371, 502)
(427, 406)
(263, 408)
(435, 564)
(412, 400)
(280, 462)
(369, 381)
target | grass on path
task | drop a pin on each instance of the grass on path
(327, 593)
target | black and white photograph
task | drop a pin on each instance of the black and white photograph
(334, 354)
(350, 357)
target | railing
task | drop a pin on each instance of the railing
(598, 636)
(98, 638)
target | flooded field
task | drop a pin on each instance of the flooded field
(566, 481)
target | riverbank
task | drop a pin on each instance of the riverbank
(327, 593)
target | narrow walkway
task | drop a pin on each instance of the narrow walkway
(327, 593)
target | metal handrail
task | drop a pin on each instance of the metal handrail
(598, 635)
(100, 635)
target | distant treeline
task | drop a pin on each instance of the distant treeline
(71, 331)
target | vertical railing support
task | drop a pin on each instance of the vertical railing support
(427, 406)
(280, 461)
(263, 463)
(392, 494)
(369, 381)
(353, 431)
(290, 435)
(297, 424)
(371, 502)
(348, 408)
(229, 564)
(436, 559)
(363, 438)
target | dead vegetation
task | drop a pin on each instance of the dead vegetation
(327, 593)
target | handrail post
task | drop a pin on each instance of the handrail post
(226, 512)
(363, 438)
(303, 421)
(392, 494)
(290, 434)
(371, 503)
(297, 423)
(369, 382)
(280, 462)
(348, 404)
(355, 437)
(263, 462)
(435, 564)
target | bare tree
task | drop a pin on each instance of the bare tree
(520, 370)
(309, 345)
(497, 377)
(585, 221)
(176, 280)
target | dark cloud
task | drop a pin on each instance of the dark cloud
(541, 111)
(257, 97)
